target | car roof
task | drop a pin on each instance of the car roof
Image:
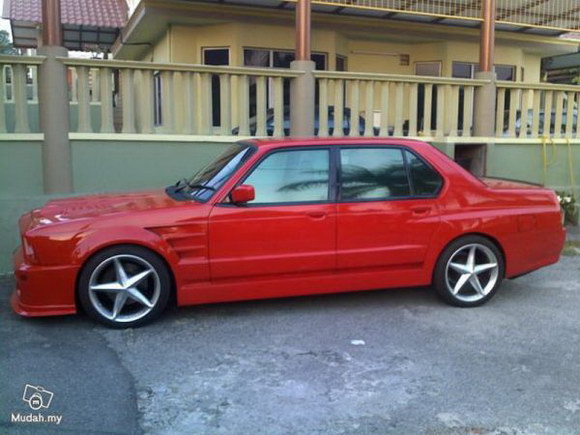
(337, 141)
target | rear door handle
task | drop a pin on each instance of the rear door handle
(421, 210)
(316, 214)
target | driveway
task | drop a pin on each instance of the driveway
(395, 361)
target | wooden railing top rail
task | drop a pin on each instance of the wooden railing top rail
(343, 75)
(180, 67)
(7, 59)
(538, 86)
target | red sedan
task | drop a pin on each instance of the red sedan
(285, 218)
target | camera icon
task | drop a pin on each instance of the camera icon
(37, 397)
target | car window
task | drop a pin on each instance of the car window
(426, 182)
(292, 176)
(373, 173)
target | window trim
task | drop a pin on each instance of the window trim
(402, 148)
(332, 184)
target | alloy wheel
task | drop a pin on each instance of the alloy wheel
(472, 272)
(124, 288)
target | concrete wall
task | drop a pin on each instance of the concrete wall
(99, 166)
(123, 165)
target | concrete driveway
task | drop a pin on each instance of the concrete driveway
(396, 361)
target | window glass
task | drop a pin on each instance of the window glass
(373, 173)
(216, 56)
(341, 63)
(426, 181)
(463, 70)
(292, 176)
(505, 72)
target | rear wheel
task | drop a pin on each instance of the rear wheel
(124, 286)
(469, 272)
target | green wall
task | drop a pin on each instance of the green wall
(98, 166)
(121, 165)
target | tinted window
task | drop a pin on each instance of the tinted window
(373, 173)
(292, 176)
(426, 181)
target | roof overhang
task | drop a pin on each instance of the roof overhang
(88, 25)
(150, 20)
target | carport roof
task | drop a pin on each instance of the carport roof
(87, 24)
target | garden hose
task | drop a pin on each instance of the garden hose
(571, 167)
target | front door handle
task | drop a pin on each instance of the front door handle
(421, 210)
(316, 214)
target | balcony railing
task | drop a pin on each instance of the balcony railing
(121, 97)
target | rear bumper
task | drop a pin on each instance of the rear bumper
(43, 290)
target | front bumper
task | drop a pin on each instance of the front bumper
(43, 290)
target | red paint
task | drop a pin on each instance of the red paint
(225, 253)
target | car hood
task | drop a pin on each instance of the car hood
(93, 206)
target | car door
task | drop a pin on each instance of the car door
(387, 210)
(290, 227)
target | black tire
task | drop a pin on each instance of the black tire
(156, 286)
(440, 279)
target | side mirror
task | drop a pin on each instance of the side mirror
(242, 194)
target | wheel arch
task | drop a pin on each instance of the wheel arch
(487, 236)
(135, 244)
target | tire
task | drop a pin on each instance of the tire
(456, 275)
(124, 286)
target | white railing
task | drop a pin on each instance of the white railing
(367, 104)
(536, 110)
(19, 93)
(141, 97)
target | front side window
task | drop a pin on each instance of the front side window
(425, 181)
(373, 173)
(292, 176)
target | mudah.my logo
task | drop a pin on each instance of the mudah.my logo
(37, 397)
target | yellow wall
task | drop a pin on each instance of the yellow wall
(184, 44)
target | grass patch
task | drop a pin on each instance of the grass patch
(572, 248)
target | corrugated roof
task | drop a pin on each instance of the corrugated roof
(98, 13)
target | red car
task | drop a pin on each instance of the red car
(285, 218)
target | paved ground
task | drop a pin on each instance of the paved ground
(300, 365)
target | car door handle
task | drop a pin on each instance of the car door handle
(317, 214)
(421, 210)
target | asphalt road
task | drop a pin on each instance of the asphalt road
(395, 361)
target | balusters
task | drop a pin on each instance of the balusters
(323, 108)
(261, 106)
(106, 101)
(570, 114)
(468, 92)
(499, 112)
(84, 100)
(527, 97)
(225, 104)
(513, 114)
(20, 99)
(278, 106)
(427, 109)
(548, 98)
(2, 100)
(369, 108)
(385, 104)
(399, 104)
(339, 104)
(189, 112)
(244, 105)
(413, 104)
(128, 99)
(354, 107)
(146, 109)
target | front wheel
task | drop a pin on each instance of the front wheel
(124, 286)
(469, 272)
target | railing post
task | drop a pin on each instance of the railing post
(54, 104)
(302, 88)
(485, 96)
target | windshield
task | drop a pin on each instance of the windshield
(205, 182)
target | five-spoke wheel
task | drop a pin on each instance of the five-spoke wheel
(124, 286)
(469, 271)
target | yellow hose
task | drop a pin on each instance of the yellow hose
(571, 167)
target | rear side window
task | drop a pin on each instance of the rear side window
(425, 181)
(373, 173)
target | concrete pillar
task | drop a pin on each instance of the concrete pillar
(302, 99)
(54, 104)
(302, 89)
(484, 106)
